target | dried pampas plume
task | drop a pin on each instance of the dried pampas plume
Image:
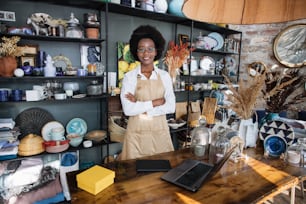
(243, 99)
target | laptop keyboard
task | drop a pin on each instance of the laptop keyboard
(194, 174)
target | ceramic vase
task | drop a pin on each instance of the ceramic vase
(7, 66)
(160, 6)
(248, 131)
(175, 7)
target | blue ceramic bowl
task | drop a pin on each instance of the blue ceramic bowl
(275, 145)
(75, 139)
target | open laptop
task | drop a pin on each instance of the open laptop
(191, 174)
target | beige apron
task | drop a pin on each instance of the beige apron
(147, 135)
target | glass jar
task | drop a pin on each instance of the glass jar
(219, 146)
(73, 29)
(200, 139)
(296, 153)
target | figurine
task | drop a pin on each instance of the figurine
(49, 70)
(40, 23)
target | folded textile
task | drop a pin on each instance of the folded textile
(27, 173)
(8, 151)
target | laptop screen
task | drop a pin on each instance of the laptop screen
(194, 174)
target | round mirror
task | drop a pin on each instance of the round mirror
(290, 46)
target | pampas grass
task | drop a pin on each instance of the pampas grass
(243, 99)
(276, 85)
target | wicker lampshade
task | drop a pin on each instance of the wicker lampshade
(244, 11)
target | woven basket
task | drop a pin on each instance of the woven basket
(31, 145)
(116, 132)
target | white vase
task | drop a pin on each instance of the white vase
(147, 5)
(248, 131)
(160, 6)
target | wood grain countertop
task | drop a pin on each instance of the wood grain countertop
(251, 180)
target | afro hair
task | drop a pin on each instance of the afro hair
(147, 31)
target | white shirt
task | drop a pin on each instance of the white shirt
(129, 85)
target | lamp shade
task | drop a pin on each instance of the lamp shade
(244, 11)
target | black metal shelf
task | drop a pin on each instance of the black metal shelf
(220, 52)
(70, 149)
(40, 78)
(68, 100)
(138, 12)
(166, 17)
(54, 38)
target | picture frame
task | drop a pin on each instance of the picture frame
(90, 54)
(30, 59)
(29, 49)
(7, 16)
(183, 38)
(125, 60)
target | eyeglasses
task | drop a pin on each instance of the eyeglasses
(148, 49)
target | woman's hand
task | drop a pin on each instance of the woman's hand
(130, 97)
(158, 102)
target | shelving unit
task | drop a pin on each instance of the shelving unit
(105, 9)
(94, 108)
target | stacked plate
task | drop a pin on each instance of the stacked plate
(277, 135)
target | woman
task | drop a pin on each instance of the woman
(147, 96)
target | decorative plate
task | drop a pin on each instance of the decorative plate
(277, 127)
(79, 96)
(207, 62)
(62, 61)
(219, 39)
(32, 120)
(76, 125)
(210, 43)
(45, 132)
(275, 145)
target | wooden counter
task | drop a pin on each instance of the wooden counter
(252, 180)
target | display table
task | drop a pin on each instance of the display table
(252, 180)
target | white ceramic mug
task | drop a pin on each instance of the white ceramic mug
(57, 133)
(69, 93)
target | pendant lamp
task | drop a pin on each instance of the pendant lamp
(244, 11)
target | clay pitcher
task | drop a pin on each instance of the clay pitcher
(7, 66)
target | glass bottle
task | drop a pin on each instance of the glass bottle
(219, 146)
(200, 139)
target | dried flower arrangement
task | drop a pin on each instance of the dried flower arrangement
(175, 57)
(276, 85)
(279, 85)
(8, 47)
(243, 99)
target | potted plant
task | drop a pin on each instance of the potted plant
(8, 53)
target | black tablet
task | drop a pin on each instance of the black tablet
(143, 165)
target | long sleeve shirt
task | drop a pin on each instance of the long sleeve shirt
(134, 108)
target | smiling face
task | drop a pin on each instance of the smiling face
(146, 51)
